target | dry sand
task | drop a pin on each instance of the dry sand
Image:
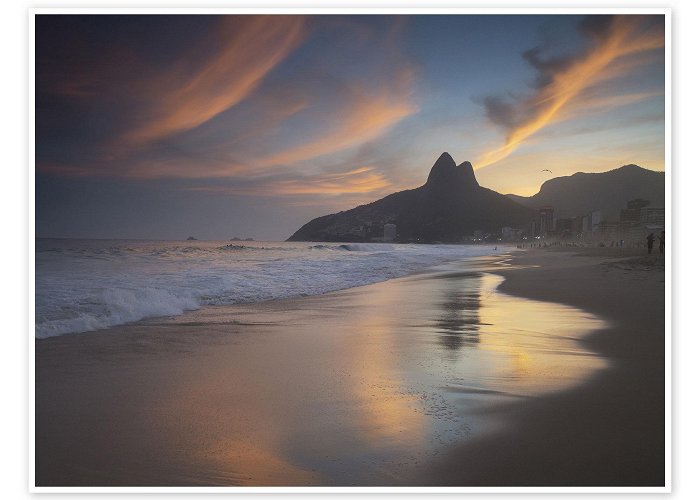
(434, 379)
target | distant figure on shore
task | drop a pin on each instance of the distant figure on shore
(650, 242)
(662, 242)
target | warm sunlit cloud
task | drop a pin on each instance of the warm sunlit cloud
(357, 181)
(566, 81)
(360, 180)
(248, 48)
(366, 116)
(230, 117)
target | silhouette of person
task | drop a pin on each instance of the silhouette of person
(662, 242)
(650, 242)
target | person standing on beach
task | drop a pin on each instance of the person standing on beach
(650, 242)
(662, 242)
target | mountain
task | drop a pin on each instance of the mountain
(608, 192)
(447, 208)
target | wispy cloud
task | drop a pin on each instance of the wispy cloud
(562, 81)
(361, 180)
(246, 50)
(365, 115)
(219, 111)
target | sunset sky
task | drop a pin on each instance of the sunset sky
(220, 126)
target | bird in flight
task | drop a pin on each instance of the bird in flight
(546, 170)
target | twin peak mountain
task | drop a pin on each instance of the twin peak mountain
(447, 208)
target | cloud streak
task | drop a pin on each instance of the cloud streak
(361, 180)
(234, 103)
(562, 81)
(246, 49)
(365, 115)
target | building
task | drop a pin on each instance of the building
(577, 226)
(652, 216)
(590, 224)
(565, 227)
(630, 216)
(608, 230)
(534, 228)
(546, 221)
(510, 234)
(595, 219)
(631, 227)
(389, 232)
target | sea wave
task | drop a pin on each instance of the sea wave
(87, 286)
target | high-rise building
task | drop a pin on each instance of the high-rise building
(652, 216)
(546, 220)
(630, 216)
(595, 219)
(565, 227)
(389, 232)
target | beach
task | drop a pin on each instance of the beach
(539, 367)
(610, 430)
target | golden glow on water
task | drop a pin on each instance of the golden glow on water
(535, 342)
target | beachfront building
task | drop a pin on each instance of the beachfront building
(534, 228)
(590, 224)
(653, 219)
(630, 219)
(596, 219)
(569, 227)
(653, 216)
(640, 219)
(609, 230)
(546, 221)
(630, 216)
(389, 232)
(511, 234)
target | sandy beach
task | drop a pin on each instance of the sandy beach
(453, 376)
(610, 430)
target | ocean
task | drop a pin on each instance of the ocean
(88, 285)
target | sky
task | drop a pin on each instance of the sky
(162, 127)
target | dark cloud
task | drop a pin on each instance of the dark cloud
(500, 112)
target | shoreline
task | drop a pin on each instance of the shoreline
(161, 357)
(609, 431)
(94, 311)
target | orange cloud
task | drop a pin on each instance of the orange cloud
(249, 48)
(367, 116)
(623, 39)
(357, 181)
(360, 180)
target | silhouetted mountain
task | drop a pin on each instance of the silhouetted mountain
(608, 192)
(448, 207)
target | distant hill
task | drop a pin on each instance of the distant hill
(608, 192)
(447, 208)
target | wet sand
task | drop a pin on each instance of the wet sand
(433, 379)
(609, 431)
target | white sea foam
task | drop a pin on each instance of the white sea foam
(94, 284)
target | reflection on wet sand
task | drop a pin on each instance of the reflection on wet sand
(501, 343)
(458, 325)
(360, 387)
